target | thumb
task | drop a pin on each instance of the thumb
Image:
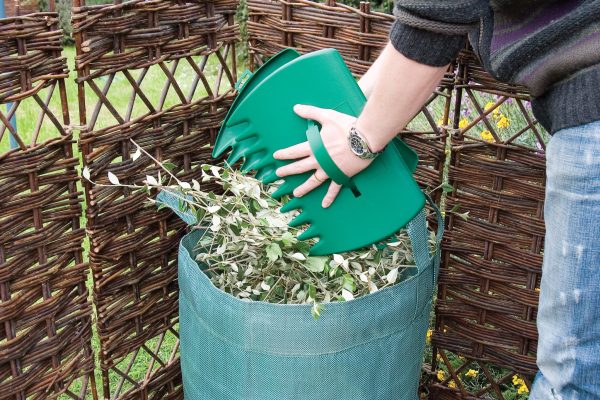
(311, 112)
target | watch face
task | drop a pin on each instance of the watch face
(356, 144)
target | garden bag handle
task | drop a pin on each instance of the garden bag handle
(418, 233)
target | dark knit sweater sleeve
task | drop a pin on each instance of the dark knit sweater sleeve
(432, 32)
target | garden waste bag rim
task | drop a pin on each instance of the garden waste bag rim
(352, 323)
(306, 307)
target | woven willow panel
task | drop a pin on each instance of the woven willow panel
(45, 314)
(160, 74)
(308, 26)
(488, 288)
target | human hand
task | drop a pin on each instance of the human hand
(335, 127)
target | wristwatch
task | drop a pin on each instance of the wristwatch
(359, 145)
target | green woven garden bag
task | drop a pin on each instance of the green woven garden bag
(369, 348)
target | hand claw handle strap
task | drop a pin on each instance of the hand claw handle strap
(246, 75)
(324, 159)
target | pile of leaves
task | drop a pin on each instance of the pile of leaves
(249, 251)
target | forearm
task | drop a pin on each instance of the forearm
(400, 87)
(423, 40)
(367, 81)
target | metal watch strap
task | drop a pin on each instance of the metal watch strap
(366, 153)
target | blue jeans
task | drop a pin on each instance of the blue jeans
(568, 318)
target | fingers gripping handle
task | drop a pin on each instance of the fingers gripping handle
(324, 159)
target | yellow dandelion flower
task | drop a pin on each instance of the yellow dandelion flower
(503, 122)
(429, 333)
(463, 123)
(523, 389)
(487, 136)
(471, 373)
(452, 385)
(515, 379)
(440, 122)
(518, 381)
(441, 375)
(496, 113)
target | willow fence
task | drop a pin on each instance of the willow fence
(45, 310)
(161, 74)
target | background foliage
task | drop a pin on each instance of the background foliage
(63, 7)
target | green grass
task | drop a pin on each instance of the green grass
(119, 95)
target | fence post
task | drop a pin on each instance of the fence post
(9, 106)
